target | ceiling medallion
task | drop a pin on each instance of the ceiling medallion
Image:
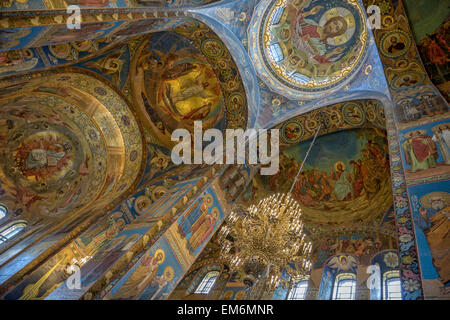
(312, 45)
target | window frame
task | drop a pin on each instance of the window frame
(7, 234)
(207, 283)
(276, 52)
(339, 280)
(299, 285)
(389, 277)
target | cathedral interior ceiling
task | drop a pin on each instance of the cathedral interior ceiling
(180, 71)
(154, 70)
(51, 45)
(86, 116)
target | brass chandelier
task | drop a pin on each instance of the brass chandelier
(268, 238)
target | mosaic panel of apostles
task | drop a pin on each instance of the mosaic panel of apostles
(346, 183)
(313, 44)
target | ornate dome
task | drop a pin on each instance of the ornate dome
(307, 48)
(66, 140)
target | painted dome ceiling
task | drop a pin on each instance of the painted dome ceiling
(308, 47)
(341, 185)
(65, 141)
(344, 184)
(186, 75)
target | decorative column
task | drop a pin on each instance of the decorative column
(416, 124)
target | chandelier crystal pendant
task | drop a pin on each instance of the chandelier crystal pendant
(268, 238)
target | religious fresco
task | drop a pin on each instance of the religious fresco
(24, 60)
(225, 68)
(158, 162)
(70, 140)
(174, 3)
(430, 207)
(36, 36)
(234, 291)
(416, 100)
(15, 38)
(362, 246)
(110, 65)
(342, 263)
(60, 4)
(238, 60)
(416, 104)
(47, 157)
(426, 151)
(333, 188)
(430, 31)
(180, 83)
(18, 61)
(209, 260)
(150, 277)
(194, 227)
(236, 18)
(60, 34)
(99, 247)
(158, 271)
(182, 89)
(309, 46)
(125, 122)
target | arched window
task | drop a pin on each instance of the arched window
(339, 278)
(3, 210)
(344, 287)
(277, 15)
(277, 54)
(386, 277)
(11, 230)
(207, 283)
(392, 286)
(298, 291)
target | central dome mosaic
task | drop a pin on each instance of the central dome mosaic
(312, 45)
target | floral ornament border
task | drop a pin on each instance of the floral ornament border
(410, 274)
